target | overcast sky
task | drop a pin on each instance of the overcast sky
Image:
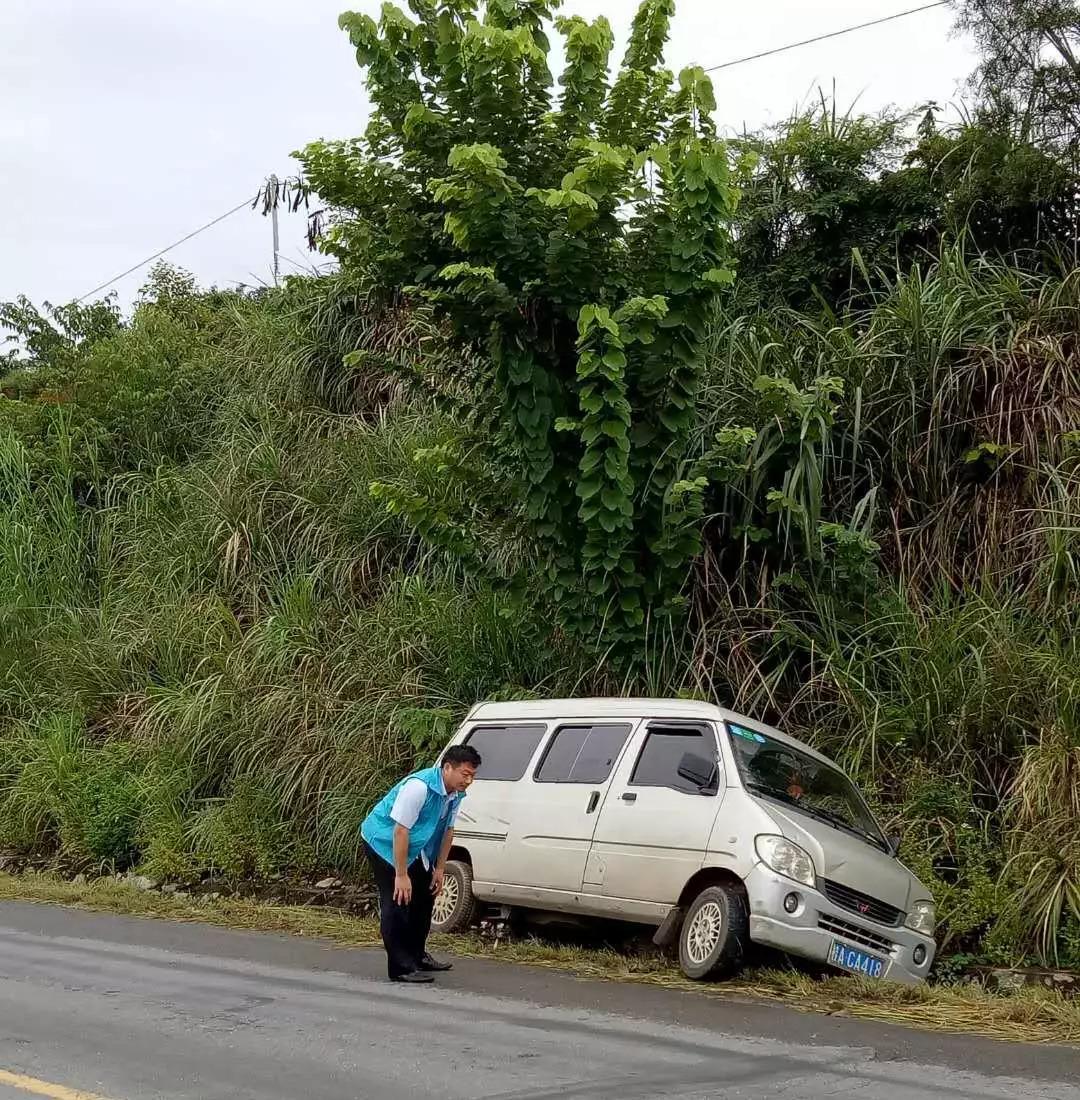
(125, 124)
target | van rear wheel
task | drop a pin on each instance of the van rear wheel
(455, 907)
(715, 933)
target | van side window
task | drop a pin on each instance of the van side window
(505, 751)
(582, 754)
(658, 763)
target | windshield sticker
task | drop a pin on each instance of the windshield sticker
(747, 735)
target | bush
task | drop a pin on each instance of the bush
(103, 805)
(243, 835)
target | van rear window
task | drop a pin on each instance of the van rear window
(505, 751)
(582, 754)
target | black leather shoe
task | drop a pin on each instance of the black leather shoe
(428, 963)
(414, 978)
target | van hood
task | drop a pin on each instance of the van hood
(846, 859)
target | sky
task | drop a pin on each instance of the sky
(124, 124)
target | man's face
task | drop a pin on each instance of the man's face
(458, 777)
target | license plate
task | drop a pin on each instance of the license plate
(858, 962)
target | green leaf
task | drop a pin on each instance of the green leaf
(673, 419)
(460, 271)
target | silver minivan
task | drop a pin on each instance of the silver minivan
(717, 830)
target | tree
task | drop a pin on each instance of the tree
(576, 242)
(1029, 77)
(831, 194)
(1010, 197)
(838, 203)
(50, 341)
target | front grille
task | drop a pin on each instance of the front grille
(862, 936)
(863, 904)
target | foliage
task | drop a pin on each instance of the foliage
(839, 202)
(578, 248)
(884, 411)
(830, 193)
(128, 396)
(1009, 196)
(1043, 843)
(244, 835)
(48, 343)
(945, 842)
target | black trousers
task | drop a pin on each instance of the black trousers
(404, 927)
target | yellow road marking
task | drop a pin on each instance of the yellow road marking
(44, 1088)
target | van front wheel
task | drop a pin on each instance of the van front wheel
(455, 907)
(714, 935)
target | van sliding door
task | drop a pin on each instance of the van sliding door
(556, 807)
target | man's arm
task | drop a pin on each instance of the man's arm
(402, 882)
(404, 813)
(440, 867)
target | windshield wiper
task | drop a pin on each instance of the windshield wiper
(841, 823)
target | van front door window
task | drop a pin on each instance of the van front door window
(664, 748)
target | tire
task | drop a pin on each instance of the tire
(455, 907)
(715, 933)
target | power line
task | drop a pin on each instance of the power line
(823, 37)
(167, 248)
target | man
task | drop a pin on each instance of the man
(407, 838)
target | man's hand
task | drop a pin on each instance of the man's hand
(437, 877)
(402, 889)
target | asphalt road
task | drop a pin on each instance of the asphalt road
(128, 1009)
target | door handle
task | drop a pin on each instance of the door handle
(629, 796)
(594, 798)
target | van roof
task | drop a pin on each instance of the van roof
(547, 709)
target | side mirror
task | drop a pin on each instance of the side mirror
(894, 844)
(697, 770)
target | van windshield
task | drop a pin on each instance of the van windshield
(780, 771)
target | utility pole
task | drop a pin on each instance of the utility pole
(274, 224)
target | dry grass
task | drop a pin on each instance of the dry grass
(1034, 1015)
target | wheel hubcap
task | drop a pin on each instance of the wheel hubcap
(447, 901)
(704, 933)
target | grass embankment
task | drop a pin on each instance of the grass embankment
(1033, 1015)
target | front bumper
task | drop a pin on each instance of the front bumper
(811, 929)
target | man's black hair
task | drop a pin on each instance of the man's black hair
(461, 754)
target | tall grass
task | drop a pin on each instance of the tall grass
(961, 386)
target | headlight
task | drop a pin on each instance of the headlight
(920, 918)
(785, 858)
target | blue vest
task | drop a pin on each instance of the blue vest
(427, 834)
